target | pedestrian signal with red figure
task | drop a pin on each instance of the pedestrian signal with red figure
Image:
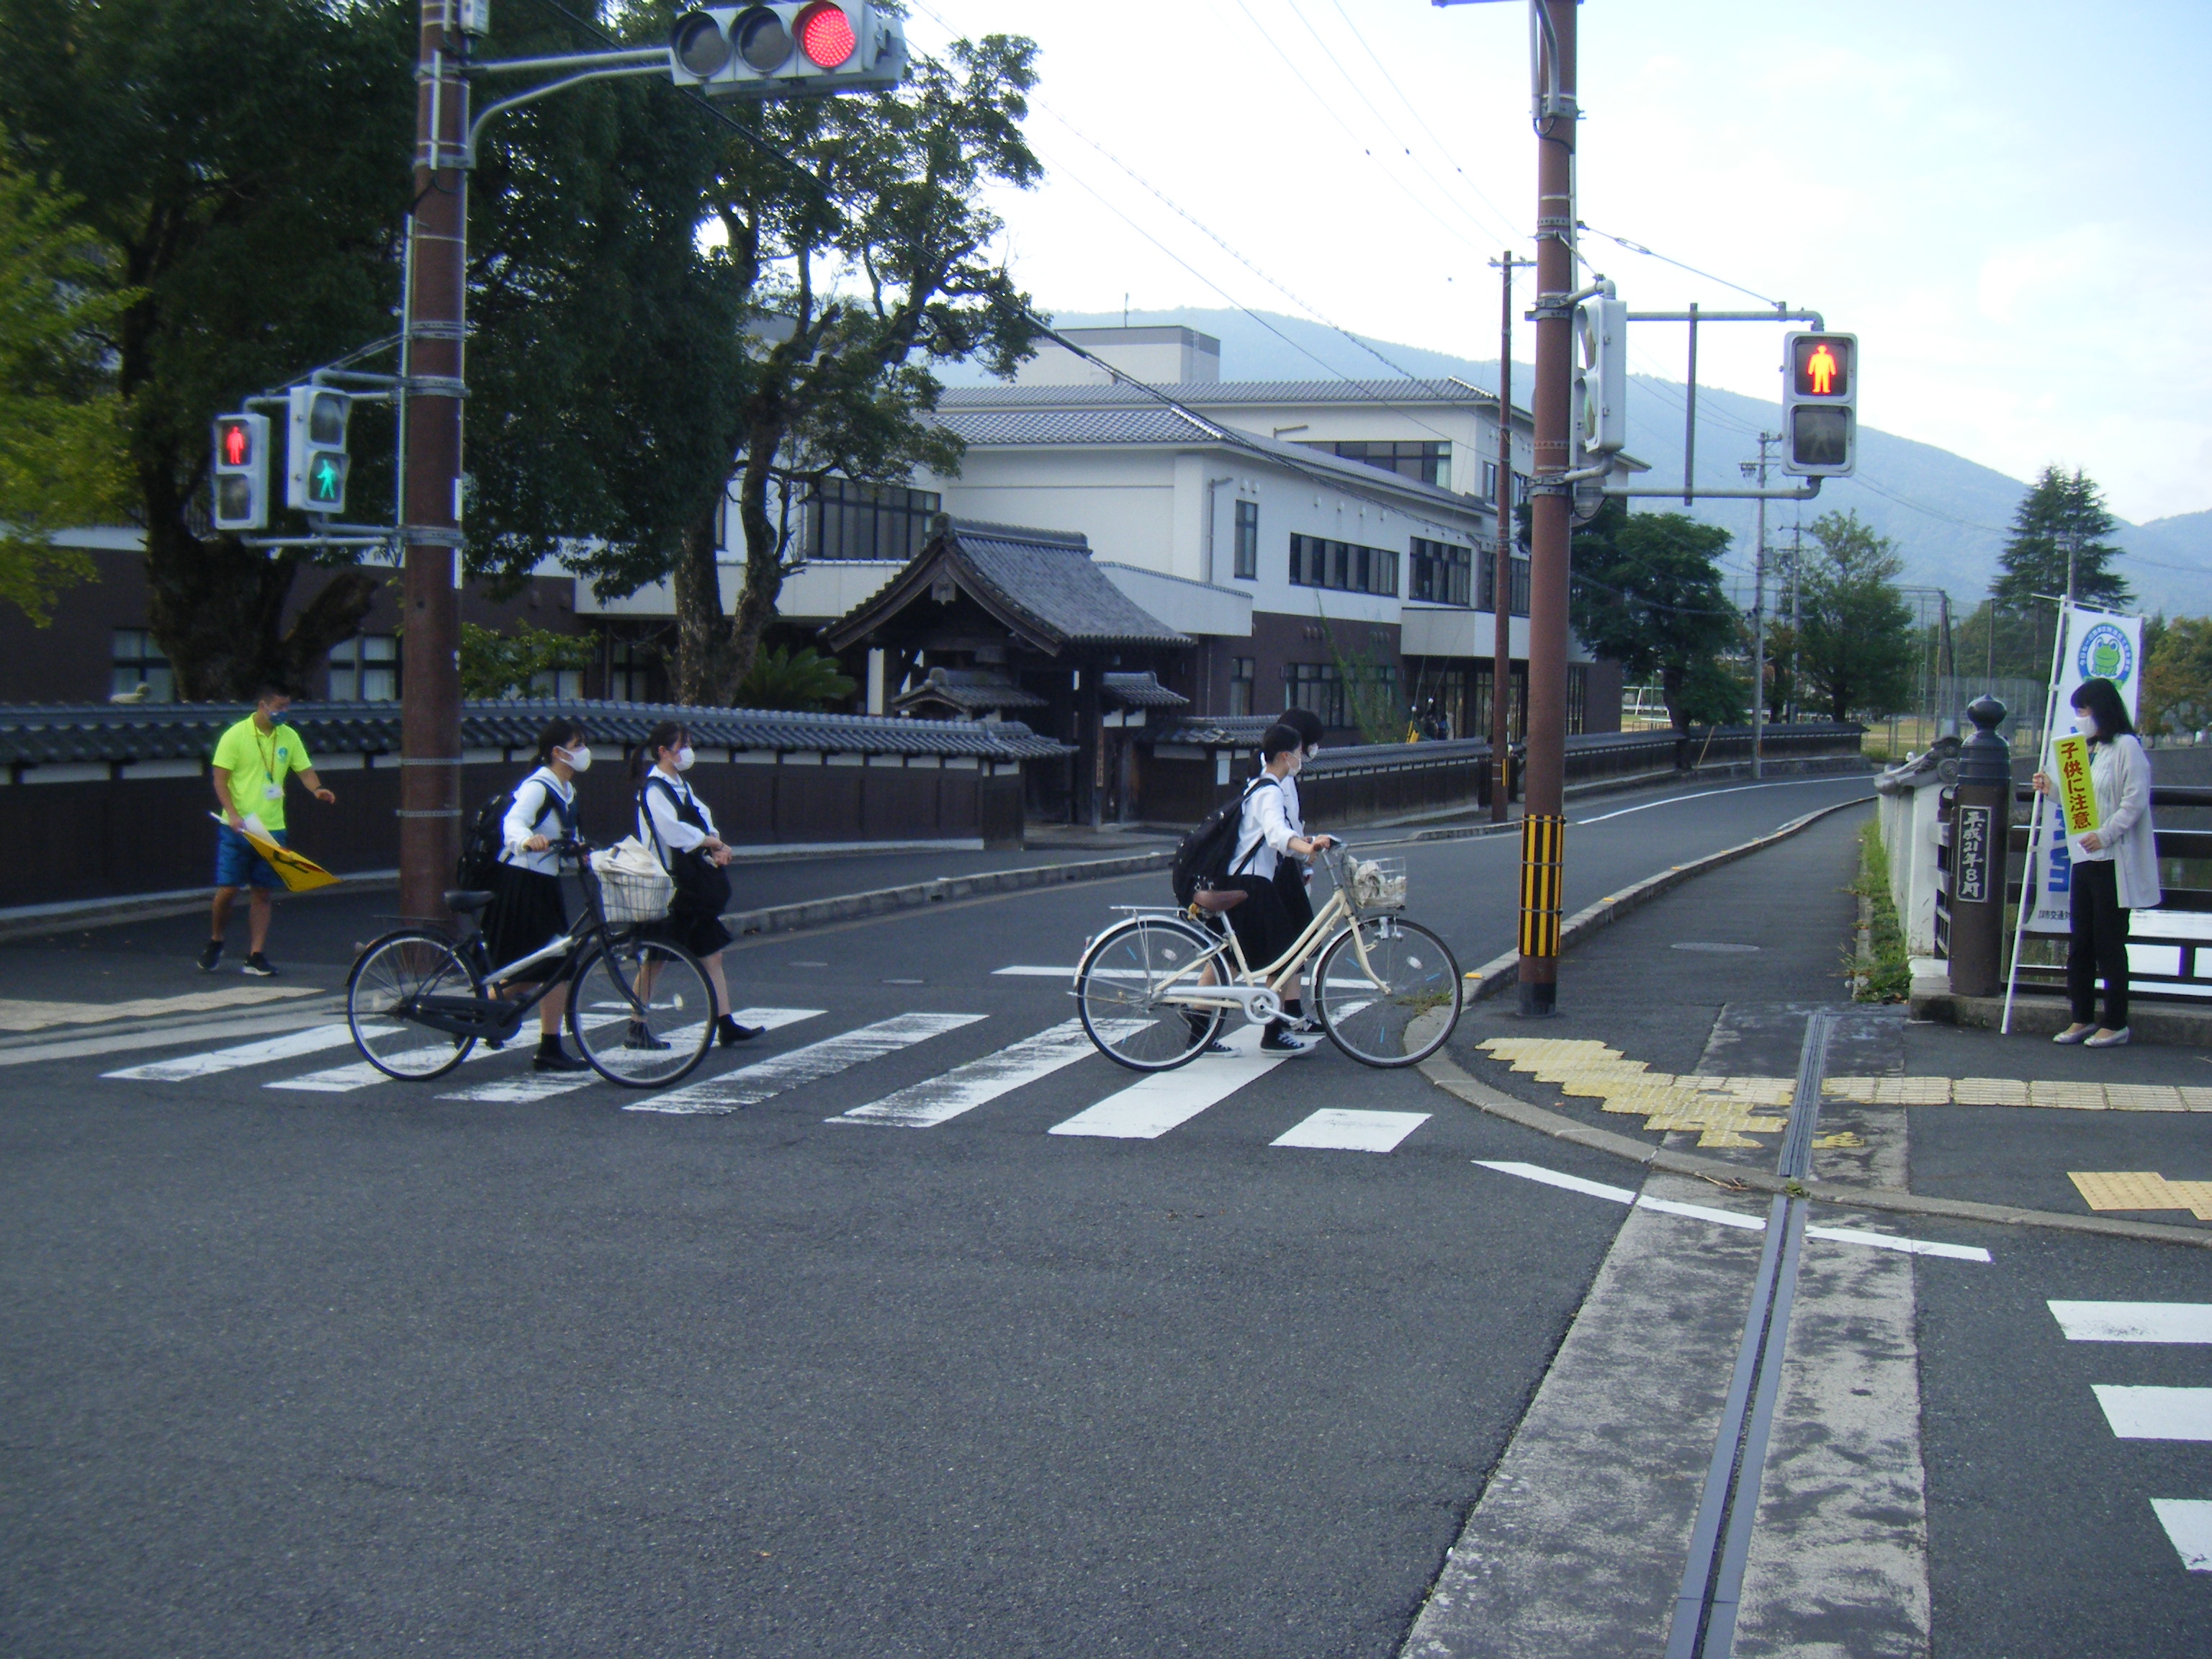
(1820, 404)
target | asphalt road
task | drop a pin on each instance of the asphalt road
(368, 1369)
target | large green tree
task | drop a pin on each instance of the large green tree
(1647, 594)
(2061, 508)
(1858, 647)
(63, 461)
(245, 167)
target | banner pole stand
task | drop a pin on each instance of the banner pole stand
(2028, 875)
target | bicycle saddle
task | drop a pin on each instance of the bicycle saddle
(1218, 901)
(463, 903)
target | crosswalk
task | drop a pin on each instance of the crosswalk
(2134, 1412)
(1142, 1107)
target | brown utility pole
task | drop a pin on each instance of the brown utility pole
(1501, 592)
(430, 689)
(1543, 825)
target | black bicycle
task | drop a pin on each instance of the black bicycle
(640, 1007)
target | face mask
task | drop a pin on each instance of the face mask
(2085, 724)
(579, 758)
(685, 757)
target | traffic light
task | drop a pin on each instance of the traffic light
(1820, 404)
(1602, 375)
(315, 461)
(241, 472)
(787, 50)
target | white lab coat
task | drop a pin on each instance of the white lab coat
(2119, 771)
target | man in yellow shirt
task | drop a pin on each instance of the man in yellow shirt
(251, 761)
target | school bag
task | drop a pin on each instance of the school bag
(1203, 855)
(485, 839)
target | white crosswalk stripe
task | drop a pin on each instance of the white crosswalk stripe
(2142, 1413)
(527, 1087)
(214, 1061)
(2188, 1523)
(940, 1099)
(2134, 1321)
(2152, 1414)
(1333, 1128)
(750, 1084)
(1165, 1100)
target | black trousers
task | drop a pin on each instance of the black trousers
(2098, 944)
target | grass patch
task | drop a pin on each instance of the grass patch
(1885, 975)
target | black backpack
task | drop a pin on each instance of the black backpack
(1203, 855)
(485, 839)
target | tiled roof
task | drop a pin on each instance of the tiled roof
(1143, 690)
(50, 734)
(971, 690)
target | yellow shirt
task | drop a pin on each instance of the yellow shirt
(259, 763)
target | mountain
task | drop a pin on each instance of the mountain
(1948, 515)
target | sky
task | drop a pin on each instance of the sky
(2009, 204)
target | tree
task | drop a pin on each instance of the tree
(2057, 507)
(1858, 649)
(63, 461)
(2177, 686)
(1647, 594)
(245, 167)
(803, 679)
(496, 664)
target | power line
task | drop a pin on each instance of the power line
(1653, 253)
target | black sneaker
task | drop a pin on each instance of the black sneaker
(640, 1036)
(558, 1060)
(1277, 1040)
(211, 958)
(260, 966)
(1307, 1026)
(1198, 1032)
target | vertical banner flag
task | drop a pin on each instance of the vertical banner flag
(2100, 646)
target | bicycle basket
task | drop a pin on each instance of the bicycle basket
(628, 896)
(1378, 884)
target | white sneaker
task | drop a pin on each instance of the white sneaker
(2107, 1039)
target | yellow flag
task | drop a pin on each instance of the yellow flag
(2076, 793)
(299, 873)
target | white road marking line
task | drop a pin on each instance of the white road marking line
(526, 1088)
(17, 1014)
(1021, 970)
(1147, 1110)
(1334, 1129)
(750, 1084)
(940, 1099)
(1732, 1218)
(360, 1075)
(214, 1061)
(1707, 794)
(2188, 1523)
(172, 1036)
(2134, 1321)
(2137, 1414)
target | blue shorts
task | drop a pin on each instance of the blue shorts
(236, 863)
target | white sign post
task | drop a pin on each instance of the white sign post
(2092, 645)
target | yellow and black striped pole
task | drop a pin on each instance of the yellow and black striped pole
(1543, 880)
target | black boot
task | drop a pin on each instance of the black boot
(552, 1057)
(729, 1031)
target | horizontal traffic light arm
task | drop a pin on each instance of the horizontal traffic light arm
(573, 60)
(623, 65)
(1812, 317)
(1812, 487)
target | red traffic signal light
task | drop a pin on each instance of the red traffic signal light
(1820, 365)
(234, 441)
(825, 34)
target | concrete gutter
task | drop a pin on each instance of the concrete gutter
(846, 907)
(1495, 975)
(1447, 1075)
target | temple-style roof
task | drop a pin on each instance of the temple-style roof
(970, 691)
(1142, 691)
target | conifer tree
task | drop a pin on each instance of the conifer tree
(2058, 505)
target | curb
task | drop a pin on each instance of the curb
(846, 907)
(1495, 975)
(1447, 1075)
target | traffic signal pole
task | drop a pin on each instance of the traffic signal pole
(1501, 590)
(431, 371)
(1543, 828)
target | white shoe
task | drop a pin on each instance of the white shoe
(2107, 1039)
(2073, 1034)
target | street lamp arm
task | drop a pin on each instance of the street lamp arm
(615, 72)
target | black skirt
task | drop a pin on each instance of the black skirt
(529, 913)
(691, 927)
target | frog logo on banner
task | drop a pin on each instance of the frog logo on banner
(2106, 653)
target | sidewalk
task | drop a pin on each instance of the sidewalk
(1681, 1025)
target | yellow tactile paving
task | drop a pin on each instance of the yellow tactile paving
(2142, 1189)
(2143, 1097)
(1989, 1092)
(2072, 1097)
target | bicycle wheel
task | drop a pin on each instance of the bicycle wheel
(386, 982)
(642, 1012)
(1119, 991)
(1398, 1005)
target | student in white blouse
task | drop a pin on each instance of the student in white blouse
(2115, 865)
(1265, 840)
(673, 820)
(529, 912)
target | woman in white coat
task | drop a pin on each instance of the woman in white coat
(2115, 865)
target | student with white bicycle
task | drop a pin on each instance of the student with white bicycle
(1269, 845)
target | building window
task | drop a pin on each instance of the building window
(1345, 566)
(1486, 598)
(629, 671)
(1240, 685)
(847, 520)
(137, 663)
(1324, 688)
(1247, 539)
(1521, 483)
(1489, 480)
(365, 669)
(1428, 463)
(562, 685)
(1441, 573)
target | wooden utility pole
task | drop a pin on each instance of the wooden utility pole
(430, 684)
(1501, 591)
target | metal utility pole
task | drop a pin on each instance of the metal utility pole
(1796, 613)
(430, 685)
(1757, 469)
(1543, 826)
(1501, 593)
